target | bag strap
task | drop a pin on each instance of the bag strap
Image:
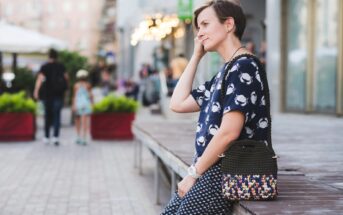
(263, 76)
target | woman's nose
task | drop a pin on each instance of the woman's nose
(199, 34)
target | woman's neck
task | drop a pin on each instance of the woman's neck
(230, 48)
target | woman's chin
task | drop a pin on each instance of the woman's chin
(208, 49)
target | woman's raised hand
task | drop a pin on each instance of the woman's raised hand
(199, 50)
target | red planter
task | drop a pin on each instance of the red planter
(111, 126)
(17, 126)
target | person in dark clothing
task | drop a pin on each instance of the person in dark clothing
(131, 89)
(53, 75)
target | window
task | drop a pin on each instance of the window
(312, 55)
(325, 58)
(9, 9)
(83, 6)
(297, 55)
(67, 6)
(51, 24)
(84, 25)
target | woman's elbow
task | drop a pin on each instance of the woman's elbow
(230, 136)
(175, 108)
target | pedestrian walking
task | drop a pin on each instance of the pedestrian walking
(82, 106)
(233, 110)
(53, 75)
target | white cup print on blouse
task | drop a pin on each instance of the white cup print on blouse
(253, 97)
(263, 101)
(219, 85)
(258, 78)
(249, 132)
(201, 141)
(233, 69)
(200, 100)
(201, 88)
(245, 78)
(215, 107)
(213, 129)
(241, 100)
(230, 89)
(207, 95)
(199, 126)
(263, 123)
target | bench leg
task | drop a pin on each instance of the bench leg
(135, 154)
(157, 180)
(173, 183)
(139, 156)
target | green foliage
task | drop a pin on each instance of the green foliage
(112, 103)
(17, 103)
(24, 80)
(73, 62)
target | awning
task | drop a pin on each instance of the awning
(15, 39)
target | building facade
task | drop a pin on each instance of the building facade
(304, 59)
(305, 55)
(75, 22)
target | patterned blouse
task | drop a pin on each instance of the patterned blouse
(244, 93)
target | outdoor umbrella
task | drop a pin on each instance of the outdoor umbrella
(15, 39)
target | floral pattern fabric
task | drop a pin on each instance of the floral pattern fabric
(249, 187)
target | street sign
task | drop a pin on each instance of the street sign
(185, 9)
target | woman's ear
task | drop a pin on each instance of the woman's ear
(229, 24)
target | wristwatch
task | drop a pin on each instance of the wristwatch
(192, 171)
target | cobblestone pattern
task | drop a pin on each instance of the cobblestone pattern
(97, 179)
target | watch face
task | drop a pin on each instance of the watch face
(191, 170)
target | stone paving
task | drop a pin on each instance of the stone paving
(97, 179)
(310, 163)
(311, 144)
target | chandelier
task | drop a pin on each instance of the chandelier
(154, 28)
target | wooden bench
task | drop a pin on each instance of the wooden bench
(172, 143)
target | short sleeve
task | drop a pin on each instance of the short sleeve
(202, 92)
(243, 88)
(43, 69)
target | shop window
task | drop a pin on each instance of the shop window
(326, 51)
(296, 55)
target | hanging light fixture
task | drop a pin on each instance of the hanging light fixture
(154, 28)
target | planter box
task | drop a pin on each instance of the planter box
(17, 126)
(111, 126)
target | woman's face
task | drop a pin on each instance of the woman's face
(211, 32)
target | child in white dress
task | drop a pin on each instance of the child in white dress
(82, 106)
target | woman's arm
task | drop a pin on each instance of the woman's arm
(230, 129)
(38, 85)
(181, 100)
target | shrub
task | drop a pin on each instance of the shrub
(17, 103)
(24, 80)
(112, 103)
(73, 61)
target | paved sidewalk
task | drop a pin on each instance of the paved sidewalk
(310, 144)
(97, 179)
(310, 163)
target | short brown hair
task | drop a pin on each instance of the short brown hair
(223, 10)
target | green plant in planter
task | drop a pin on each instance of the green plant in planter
(112, 103)
(24, 80)
(17, 103)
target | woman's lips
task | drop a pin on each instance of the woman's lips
(203, 42)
